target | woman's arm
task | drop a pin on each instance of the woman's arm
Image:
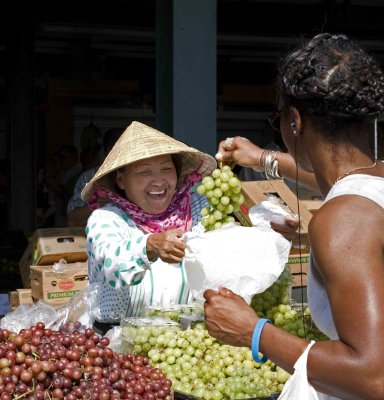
(245, 153)
(116, 249)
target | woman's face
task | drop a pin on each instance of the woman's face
(150, 183)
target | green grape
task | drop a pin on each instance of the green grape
(224, 187)
(204, 211)
(225, 201)
(223, 192)
(201, 189)
(276, 294)
(201, 366)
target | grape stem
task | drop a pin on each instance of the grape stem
(26, 393)
(47, 393)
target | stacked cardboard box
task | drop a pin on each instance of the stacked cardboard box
(20, 296)
(257, 191)
(56, 286)
(54, 264)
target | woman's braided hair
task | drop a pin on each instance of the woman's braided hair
(334, 80)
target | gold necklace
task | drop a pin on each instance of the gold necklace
(355, 169)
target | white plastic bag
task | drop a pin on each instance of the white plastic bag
(246, 260)
(264, 213)
(297, 386)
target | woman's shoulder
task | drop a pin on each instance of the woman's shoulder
(340, 220)
(109, 211)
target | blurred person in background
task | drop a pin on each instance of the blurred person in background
(63, 166)
(78, 210)
(45, 211)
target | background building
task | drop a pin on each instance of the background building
(199, 70)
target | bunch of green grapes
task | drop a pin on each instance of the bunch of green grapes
(197, 364)
(296, 320)
(275, 295)
(139, 335)
(273, 304)
(223, 191)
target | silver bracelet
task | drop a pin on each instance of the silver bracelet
(271, 167)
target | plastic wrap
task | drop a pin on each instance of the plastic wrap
(114, 335)
(78, 312)
(27, 315)
(138, 335)
(174, 312)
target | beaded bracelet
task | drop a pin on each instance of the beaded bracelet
(256, 340)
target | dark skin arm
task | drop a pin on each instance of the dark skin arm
(349, 262)
(167, 245)
(243, 152)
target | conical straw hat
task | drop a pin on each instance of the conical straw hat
(139, 142)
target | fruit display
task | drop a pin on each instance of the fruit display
(223, 191)
(39, 363)
(297, 320)
(274, 304)
(138, 334)
(277, 293)
(198, 365)
(173, 312)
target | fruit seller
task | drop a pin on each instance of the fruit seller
(142, 205)
(330, 94)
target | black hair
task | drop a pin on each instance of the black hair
(177, 162)
(332, 79)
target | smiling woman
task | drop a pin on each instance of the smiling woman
(143, 203)
(149, 183)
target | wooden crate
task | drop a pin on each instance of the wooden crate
(312, 205)
(257, 191)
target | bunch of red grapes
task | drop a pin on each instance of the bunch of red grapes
(39, 364)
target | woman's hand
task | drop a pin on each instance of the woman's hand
(289, 228)
(228, 317)
(239, 150)
(167, 245)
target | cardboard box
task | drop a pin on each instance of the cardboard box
(257, 191)
(298, 265)
(20, 296)
(57, 287)
(50, 245)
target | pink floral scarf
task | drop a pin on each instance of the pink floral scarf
(178, 215)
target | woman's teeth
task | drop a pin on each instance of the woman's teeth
(157, 193)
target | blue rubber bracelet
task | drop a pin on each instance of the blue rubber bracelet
(256, 340)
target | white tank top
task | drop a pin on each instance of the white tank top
(371, 187)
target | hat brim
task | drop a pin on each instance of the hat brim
(151, 143)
